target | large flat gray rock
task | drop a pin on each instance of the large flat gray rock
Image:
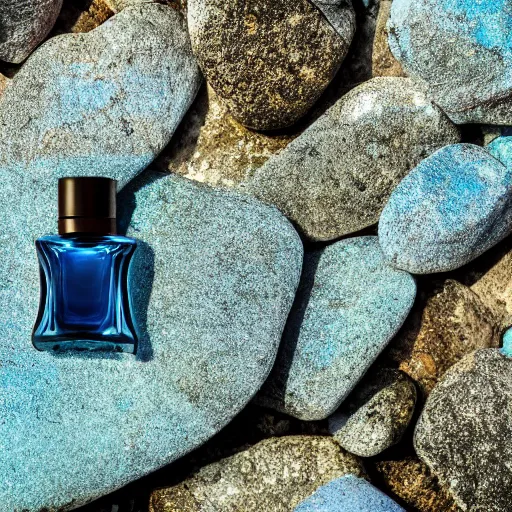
(213, 280)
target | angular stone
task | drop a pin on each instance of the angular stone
(107, 100)
(383, 60)
(453, 207)
(349, 305)
(412, 481)
(274, 475)
(376, 414)
(337, 176)
(24, 25)
(462, 51)
(213, 280)
(269, 61)
(464, 431)
(348, 494)
(446, 324)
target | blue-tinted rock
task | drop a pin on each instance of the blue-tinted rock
(501, 148)
(462, 51)
(348, 494)
(108, 100)
(336, 177)
(24, 25)
(349, 305)
(453, 207)
(213, 281)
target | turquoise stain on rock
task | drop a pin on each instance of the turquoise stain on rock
(349, 305)
(450, 209)
(501, 148)
(506, 349)
(213, 281)
(348, 494)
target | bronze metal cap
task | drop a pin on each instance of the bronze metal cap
(87, 205)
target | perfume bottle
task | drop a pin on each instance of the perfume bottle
(85, 302)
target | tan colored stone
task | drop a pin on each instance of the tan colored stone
(81, 16)
(445, 325)
(383, 61)
(412, 482)
(273, 475)
(213, 148)
(4, 81)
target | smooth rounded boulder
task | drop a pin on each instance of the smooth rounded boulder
(336, 177)
(461, 51)
(449, 210)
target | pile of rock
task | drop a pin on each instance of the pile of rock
(338, 294)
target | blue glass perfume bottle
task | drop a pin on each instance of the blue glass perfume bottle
(85, 302)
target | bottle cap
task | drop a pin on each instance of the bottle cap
(87, 205)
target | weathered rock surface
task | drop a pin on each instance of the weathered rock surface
(464, 431)
(211, 147)
(376, 414)
(110, 99)
(462, 51)
(349, 305)
(383, 60)
(449, 210)
(337, 176)
(269, 61)
(24, 25)
(412, 481)
(348, 494)
(213, 280)
(81, 16)
(274, 475)
(501, 148)
(446, 324)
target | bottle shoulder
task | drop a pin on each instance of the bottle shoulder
(86, 241)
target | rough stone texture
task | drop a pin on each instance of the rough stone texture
(464, 431)
(491, 279)
(81, 16)
(446, 324)
(4, 82)
(349, 305)
(211, 147)
(119, 5)
(110, 99)
(501, 148)
(274, 475)
(213, 280)
(376, 414)
(24, 25)
(348, 494)
(453, 207)
(269, 61)
(384, 62)
(337, 176)
(412, 481)
(462, 51)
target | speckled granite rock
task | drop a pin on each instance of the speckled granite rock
(24, 25)
(501, 148)
(268, 60)
(453, 207)
(349, 305)
(446, 324)
(4, 82)
(464, 431)
(109, 99)
(337, 176)
(412, 481)
(376, 414)
(274, 475)
(211, 147)
(462, 51)
(383, 60)
(348, 494)
(213, 281)
(81, 16)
